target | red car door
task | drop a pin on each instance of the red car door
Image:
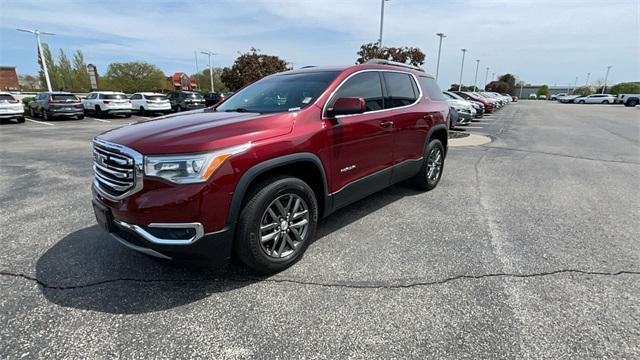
(361, 144)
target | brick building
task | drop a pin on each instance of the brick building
(8, 79)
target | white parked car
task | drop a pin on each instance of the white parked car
(148, 102)
(103, 103)
(533, 96)
(464, 108)
(630, 100)
(11, 108)
(542, 97)
(596, 99)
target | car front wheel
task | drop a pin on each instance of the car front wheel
(277, 224)
(432, 166)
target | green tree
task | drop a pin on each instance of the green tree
(543, 90)
(250, 67)
(65, 72)
(454, 87)
(29, 82)
(133, 76)
(81, 80)
(510, 80)
(410, 55)
(625, 88)
(204, 82)
(498, 86)
(583, 91)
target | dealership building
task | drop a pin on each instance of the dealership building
(533, 89)
(8, 79)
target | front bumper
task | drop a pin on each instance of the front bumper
(118, 111)
(11, 115)
(65, 112)
(216, 246)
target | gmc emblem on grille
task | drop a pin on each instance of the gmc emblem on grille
(99, 158)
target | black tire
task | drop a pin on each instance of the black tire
(179, 108)
(581, 102)
(631, 103)
(45, 115)
(250, 248)
(20, 119)
(425, 180)
(142, 111)
(606, 102)
(32, 113)
(127, 115)
(98, 111)
(80, 117)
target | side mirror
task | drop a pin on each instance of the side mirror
(347, 106)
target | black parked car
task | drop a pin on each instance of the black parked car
(186, 100)
(56, 104)
(213, 98)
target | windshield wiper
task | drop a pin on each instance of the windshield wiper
(240, 110)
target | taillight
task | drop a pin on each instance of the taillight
(50, 101)
(107, 101)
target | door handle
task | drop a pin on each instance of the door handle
(386, 124)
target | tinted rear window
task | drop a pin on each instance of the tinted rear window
(431, 88)
(6, 97)
(113, 96)
(399, 89)
(192, 96)
(155, 97)
(63, 97)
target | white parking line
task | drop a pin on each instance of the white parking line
(101, 120)
(473, 127)
(40, 122)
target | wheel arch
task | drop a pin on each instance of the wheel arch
(441, 133)
(306, 166)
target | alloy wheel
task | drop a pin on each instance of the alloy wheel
(434, 164)
(284, 226)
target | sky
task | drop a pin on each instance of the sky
(540, 41)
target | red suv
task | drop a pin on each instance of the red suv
(252, 176)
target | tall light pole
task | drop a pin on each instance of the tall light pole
(486, 76)
(381, 21)
(37, 33)
(210, 54)
(440, 35)
(475, 80)
(586, 83)
(575, 84)
(605, 79)
(464, 51)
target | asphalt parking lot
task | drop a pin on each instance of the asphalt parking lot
(528, 248)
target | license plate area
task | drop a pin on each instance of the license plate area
(103, 216)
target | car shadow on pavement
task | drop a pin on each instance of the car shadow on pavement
(90, 270)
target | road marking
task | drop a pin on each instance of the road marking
(40, 122)
(473, 127)
(101, 120)
(144, 117)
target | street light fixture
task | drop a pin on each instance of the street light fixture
(605, 79)
(210, 54)
(381, 21)
(475, 80)
(37, 33)
(441, 36)
(461, 68)
(486, 76)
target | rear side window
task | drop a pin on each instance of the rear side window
(431, 88)
(155, 97)
(400, 89)
(366, 85)
(6, 97)
(63, 97)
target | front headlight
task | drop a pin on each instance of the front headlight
(189, 169)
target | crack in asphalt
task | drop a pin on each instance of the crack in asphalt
(347, 285)
(561, 155)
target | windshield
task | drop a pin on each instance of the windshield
(280, 93)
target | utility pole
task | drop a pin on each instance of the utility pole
(475, 80)
(37, 33)
(440, 35)
(605, 79)
(195, 55)
(575, 84)
(210, 54)
(461, 69)
(588, 77)
(521, 85)
(381, 21)
(486, 76)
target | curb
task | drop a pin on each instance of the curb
(471, 140)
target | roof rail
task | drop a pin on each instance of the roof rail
(308, 66)
(393, 63)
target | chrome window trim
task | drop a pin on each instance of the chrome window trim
(419, 98)
(138, 169)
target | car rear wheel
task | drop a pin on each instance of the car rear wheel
(45, 115)
(142, 112)
(32, 113)
(605, 102)
(179, 109)
(80, 117)
(277, 224)
(631, 103)
(581, 102)
(98, 111)
(432, 166)
(20, 119)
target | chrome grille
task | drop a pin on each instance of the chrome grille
(117, 170)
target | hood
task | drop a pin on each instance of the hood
(461, 104)
(199, 131)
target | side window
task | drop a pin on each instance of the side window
(431, 89)
(400, 89)
(136, 97)
(366, 85)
